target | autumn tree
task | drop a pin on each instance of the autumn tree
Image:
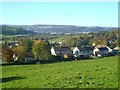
(7, 54)
(24, 47)
(41, 50)
(20, 51)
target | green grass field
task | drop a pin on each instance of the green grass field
(102, 72)
(60, 39)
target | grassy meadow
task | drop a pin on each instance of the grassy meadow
(95, 73)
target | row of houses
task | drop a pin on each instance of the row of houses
(75, 52)
(79, 52)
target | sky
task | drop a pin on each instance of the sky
(103, 14)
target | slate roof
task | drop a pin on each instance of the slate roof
(103, 48)
(85, 48)
(60, 49)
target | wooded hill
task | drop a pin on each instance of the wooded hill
(7, 30)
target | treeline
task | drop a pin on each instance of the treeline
(38, 49)
(108, 38)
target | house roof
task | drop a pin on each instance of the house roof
(85, 48)
(103, 48)
(60, 49)
(11, 43)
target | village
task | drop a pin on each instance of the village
(46, 47)
(69, 53)
(59, 45)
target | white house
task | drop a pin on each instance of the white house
(82, 52)
(53, 51)
(29, 57)
(61, 51)
(101, 51)
(15, 57)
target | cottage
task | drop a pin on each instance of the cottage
(101, 51)
(64, 52)
(28, 57)
(15, 57)
(82, 51)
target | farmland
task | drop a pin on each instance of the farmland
(95, 73)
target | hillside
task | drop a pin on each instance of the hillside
(95, 73)
(58, 29)
(7, 30)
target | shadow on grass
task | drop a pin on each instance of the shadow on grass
(8, 79)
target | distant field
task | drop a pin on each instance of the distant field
(64, 38)
(60, 39)
(102, 72)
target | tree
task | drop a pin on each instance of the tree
(41, 50)
(24, 47)
(70, 41)
(20, 51)
(7, 54)
(100, 41)
(27, 43)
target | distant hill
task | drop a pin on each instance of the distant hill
(57, 29)
(9, 30)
